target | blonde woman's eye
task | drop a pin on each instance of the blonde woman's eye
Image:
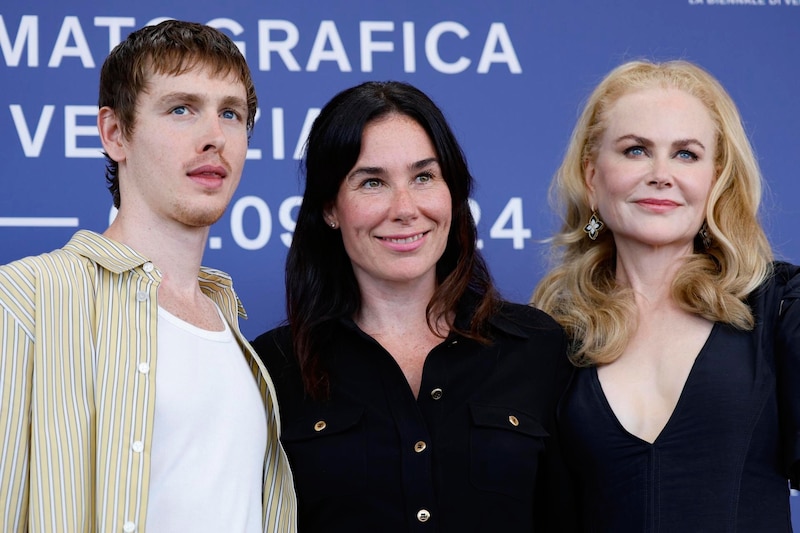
(635, 151)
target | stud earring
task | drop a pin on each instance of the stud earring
(333, 224)
(594, 226)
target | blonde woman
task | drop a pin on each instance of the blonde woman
(681, 417)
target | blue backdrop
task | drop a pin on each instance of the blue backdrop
(510, 76)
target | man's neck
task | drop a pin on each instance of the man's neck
(176, 252)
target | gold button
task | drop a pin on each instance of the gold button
(423, 515)
(420, 446)
(513, 420)
(436, 393)
(319, 426)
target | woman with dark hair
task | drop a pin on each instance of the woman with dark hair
(411, 396)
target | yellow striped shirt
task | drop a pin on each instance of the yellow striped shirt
(77, 390)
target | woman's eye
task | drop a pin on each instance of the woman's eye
(635, 151)
(687, 155)
(371, 184)
(424, 178)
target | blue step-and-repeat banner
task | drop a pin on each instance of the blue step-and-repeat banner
(510, 75)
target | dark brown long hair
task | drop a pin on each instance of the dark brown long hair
(320, 285)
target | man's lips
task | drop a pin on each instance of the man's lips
(208, 171)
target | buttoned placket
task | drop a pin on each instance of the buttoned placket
(416, 448)
(137, 445)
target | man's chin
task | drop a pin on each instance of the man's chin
(200, 219)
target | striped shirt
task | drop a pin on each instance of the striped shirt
(77, 390)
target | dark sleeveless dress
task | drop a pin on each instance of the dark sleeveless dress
(724, 459)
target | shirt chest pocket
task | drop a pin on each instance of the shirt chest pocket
(505, 447)
(327, 452)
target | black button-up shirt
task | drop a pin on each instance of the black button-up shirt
(476, 451)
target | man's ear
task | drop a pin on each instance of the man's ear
(111, 134)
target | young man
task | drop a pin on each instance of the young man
(129, 400)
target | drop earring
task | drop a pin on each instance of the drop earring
(704, 235)
(594, 226)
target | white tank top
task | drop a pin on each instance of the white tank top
(209, 436)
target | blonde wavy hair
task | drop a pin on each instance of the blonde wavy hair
(580, 290)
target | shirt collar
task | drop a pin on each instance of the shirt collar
(505, 323)
(500, 319)
(117, 257)
(110, 254)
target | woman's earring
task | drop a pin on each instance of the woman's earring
(594, 226)
(704, 235)
(333, 224)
